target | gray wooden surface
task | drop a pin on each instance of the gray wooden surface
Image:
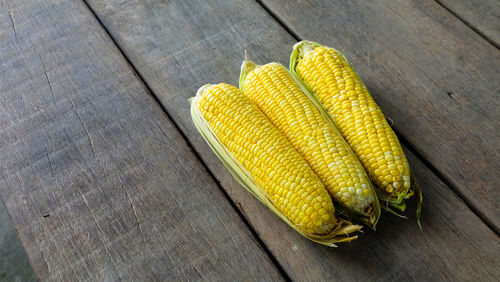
(481, 15)
(14, 265)
(398, 250)
(101, 185)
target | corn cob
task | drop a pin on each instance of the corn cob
(310, 132)
(266, 164)
(335, 84)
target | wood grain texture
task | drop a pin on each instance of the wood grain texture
(482, 15)
(432, 75)
(99, 184)
(177, 46)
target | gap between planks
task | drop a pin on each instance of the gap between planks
(468, 24)
(402, 139)
(191, 147)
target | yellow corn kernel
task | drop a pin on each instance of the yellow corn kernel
(290, 110)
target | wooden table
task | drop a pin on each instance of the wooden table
(106, 178)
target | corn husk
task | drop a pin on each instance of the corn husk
(389, 202)
(339, 234)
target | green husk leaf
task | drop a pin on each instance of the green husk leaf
(303, 48)
(390, 210)
(340, 210)
(337, 235)
(420, 198)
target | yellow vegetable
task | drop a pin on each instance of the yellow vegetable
(335, 84)
(266, 164)
(314, 136)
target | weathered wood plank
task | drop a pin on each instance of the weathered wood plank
(431, 74)
(180, 45)
(482, 15)
(99, 184)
